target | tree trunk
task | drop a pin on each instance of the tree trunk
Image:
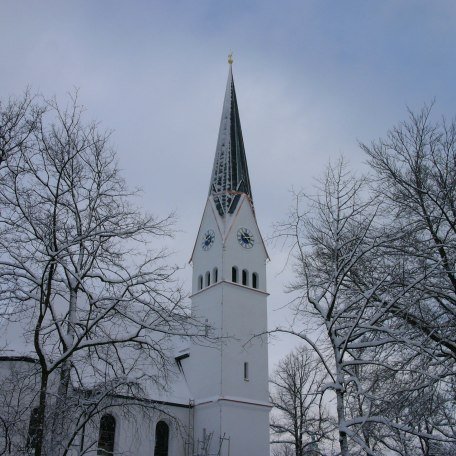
(340, 391)
(343, 442)
(61, 408)
(39, 437)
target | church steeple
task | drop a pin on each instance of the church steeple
(230, 176)
(229, 379)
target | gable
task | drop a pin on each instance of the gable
(209, 220)
(244, 217)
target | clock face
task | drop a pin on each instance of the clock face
(245, 238)
(208, 239)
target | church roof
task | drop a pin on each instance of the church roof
(230, 176)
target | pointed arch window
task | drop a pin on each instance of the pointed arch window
(208, 278)
(255, 280)
(106, 436)
(161, 439)
(215, 275)
(234, 274)
(245, 277)
(200, 282)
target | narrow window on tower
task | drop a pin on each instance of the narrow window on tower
(208, 278)
(246, 371)
(215, 275)
(245, 277)
(200, 282)
(255, 280)
(234, 272)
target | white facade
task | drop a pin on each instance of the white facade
(135, 432)
(230, 382)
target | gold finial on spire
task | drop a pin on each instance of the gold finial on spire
(230, 58)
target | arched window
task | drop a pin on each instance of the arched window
(255, 280)
(234, 271)
(161, 439)
(33, 430)
(208, 278)
(215, 275)
(200, 282)
(106, 436)
(245, 277)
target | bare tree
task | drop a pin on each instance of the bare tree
(299, 418)
(346, 296)
(21, 382)
(283, 449)
(415, 166)
(18, 121)
(415, 170)
(78, 273)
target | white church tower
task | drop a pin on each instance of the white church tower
(229, 383)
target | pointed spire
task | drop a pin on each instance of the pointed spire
(230, 176)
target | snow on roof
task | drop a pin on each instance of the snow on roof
(163, 385)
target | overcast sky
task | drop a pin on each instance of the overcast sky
(312, 79)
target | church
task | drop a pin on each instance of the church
(229, 386)
(221, 394)
(218, 402)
